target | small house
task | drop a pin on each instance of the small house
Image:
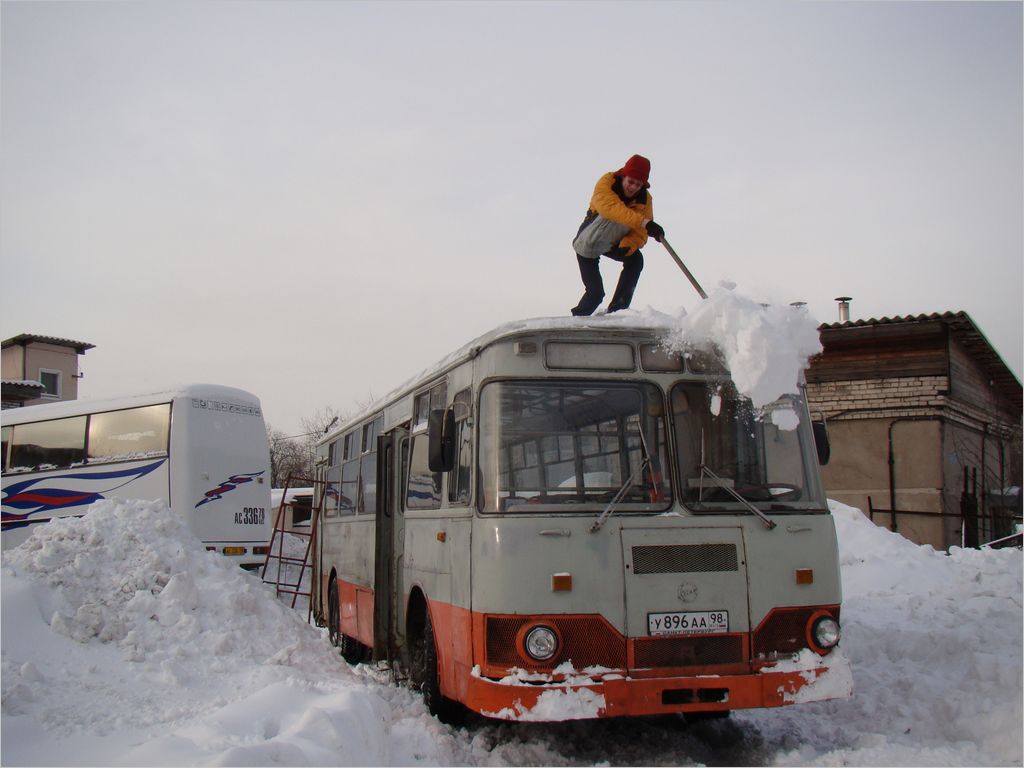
(40, 369)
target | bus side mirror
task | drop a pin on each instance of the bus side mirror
(441, 440)
(821, 442)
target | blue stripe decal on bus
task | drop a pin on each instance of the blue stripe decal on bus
(227, 486)
(53, 493)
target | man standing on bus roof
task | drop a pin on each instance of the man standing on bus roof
(617, 224)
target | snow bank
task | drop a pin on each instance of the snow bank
(126, 642)
(935, 641)
(126, 649)
(155, 592)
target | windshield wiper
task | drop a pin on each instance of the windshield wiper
(645, 462)
(706, 470)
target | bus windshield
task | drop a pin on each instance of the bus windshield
(572, 446)
(725, 447)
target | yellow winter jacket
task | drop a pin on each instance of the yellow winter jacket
(607, 203)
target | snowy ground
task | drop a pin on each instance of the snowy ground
(159, 653)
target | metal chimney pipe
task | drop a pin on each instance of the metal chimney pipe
(844, 308)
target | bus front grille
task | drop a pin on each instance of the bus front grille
(785, 630)
(685, 558)
(584, 640)
(653, 652)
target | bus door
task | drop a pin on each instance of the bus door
(686, 596)
(388, 603)
(316, 597)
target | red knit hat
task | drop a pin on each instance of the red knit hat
(637, 167)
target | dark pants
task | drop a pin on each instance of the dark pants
(594, 286)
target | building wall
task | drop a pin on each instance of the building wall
(940, 426)
(867, 398)
(970, 385)
(12, 363)
(863, 416)
(54, 358)
(978, 461)
(982, 443)
(858, 472)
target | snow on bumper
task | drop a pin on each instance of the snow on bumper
(817, 685)
(807, 677)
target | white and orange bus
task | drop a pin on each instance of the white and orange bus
(564, 519)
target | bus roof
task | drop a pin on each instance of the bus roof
(649, 320)
(64, 408)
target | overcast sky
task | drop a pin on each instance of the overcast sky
(315, 201)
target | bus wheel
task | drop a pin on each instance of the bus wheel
(424, 675)
(352, 650)
(334, 615)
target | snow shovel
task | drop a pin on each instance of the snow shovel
(674, 255)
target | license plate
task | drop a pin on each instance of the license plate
(687, 623)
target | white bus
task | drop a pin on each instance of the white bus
(563, 519)
(201, 448)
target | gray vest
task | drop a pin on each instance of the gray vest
(598, 236)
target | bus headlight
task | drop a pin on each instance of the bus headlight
(541, 643)
(826, 633)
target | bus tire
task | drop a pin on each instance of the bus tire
(424, 673)
(334, 614)
(352, 650)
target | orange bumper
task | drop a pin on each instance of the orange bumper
(618, 697)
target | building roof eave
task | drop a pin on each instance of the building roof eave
(964, 330)
(24, 339)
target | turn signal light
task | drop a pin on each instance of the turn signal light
(561, 582)
(804, 575)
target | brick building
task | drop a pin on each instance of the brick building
(924, 419)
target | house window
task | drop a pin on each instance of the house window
(51, 383)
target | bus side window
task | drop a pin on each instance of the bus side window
(424, 488)
(332, 476)
(404, 472)
(136, 433)
(7, 444)
(349, 476)
(421, 411)
(368, 468)
(432, 400)
(49, 444)
(459, 477)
